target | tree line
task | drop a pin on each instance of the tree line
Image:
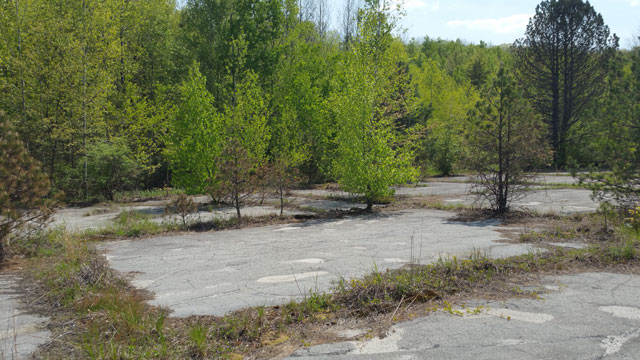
(222, 96)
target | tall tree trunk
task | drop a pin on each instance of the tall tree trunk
(2, 236)
(84, 99)
(555, 121)
(501, 199)
(20, 64)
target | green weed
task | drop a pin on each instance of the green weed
(198, 337)
(145, 195)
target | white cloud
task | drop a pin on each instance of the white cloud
(509, 24)
(419, 4)
(633, 3)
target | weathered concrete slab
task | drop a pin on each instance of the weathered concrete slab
(217, 272)
(563, 201)
(20, 332)
(587, 316)
(452, 190)
(83, 218)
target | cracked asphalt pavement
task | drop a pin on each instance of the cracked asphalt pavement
(20, 332)
(214, 273)
(585, 316)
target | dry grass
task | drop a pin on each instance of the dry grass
(97, 314)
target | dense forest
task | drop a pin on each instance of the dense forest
(223, 96)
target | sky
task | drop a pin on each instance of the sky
(499, 21)
(496, 21)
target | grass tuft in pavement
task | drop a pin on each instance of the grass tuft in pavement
(97, 314)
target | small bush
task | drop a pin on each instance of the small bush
(111, 167)
(184, 206)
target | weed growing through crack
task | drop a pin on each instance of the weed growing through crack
(130, 223)
(198, 336)
(97, 314)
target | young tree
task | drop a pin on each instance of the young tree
(195, 139)
(619, 132)
(506, 142)
(23, 186)
(563, 59)
(301, 118)
(287, 153)
(246, 137)
(370, 157)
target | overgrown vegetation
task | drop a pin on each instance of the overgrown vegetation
(96, 314)
(150, 95)
(223, 97)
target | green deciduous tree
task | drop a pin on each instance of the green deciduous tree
(244, 145)
(370, 155)
(195, 136)
(287, 151)
(303, 82)
(213, 28)
(112, 167)
(446, 104)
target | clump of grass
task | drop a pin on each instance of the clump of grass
(311, 306)
(380, 292)
(146, 195)
(445, 207)
(41, 243)
(198, 336)
(130, 223)
(99, 315)
(235, 223)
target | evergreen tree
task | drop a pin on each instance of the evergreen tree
(506, 142)
(619, 135)
(23, 186)
(563, 59)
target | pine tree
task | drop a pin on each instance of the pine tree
(506, 142)
(564, 59)
(23, 186)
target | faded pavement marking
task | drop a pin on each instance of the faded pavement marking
(292, 277)
(626, 312)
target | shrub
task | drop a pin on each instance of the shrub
(111, 167)
(184, 206)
